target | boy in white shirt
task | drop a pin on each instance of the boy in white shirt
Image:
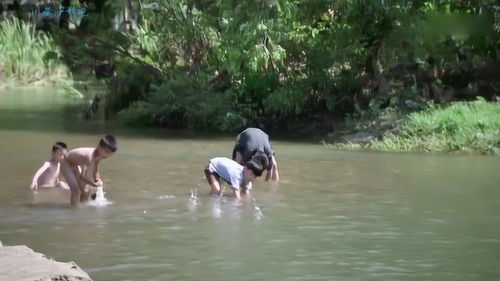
(237, 176)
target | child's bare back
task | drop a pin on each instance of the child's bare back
(82, 156)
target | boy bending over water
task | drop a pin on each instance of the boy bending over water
(252, 141)
(75, 166)
(237, 176)
(48, 174)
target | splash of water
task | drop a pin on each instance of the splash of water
(194, 194)
(259, 215)
(166, 196)
(100, 199)
(216, 207)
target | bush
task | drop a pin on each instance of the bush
(182, 102)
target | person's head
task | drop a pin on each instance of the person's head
(59, 149)
(263, 159)
(251, 170)
(106, 147)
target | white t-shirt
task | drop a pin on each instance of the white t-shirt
(230, 171)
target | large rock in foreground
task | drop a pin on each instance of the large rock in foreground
(21, 263)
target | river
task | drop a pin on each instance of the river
(335, 215)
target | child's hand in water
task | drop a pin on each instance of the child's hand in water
(98, 182)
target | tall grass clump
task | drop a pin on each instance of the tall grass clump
(26, 55)
(463, 126)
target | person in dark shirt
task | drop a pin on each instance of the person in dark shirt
(251, 141)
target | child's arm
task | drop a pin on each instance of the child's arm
(34, 182)
(81, 175)
(58, 172)
(97, 175)
(236, 193)
(246, 189)
(273, 173)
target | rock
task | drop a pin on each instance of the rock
(360, 138)
(412, 105)
(22, 263)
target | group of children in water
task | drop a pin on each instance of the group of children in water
(74, 165)
(252, 154)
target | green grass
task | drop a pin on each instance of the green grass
(28, 56)
(464, 126)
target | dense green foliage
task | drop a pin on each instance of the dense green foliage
(276, 61)
(27, 55)
(473, 126)
(282, 64)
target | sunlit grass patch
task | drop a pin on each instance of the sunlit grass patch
(28, 56)
(462, 126)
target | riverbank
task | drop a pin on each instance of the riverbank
(461, 127)
(22, 263)
(464, 127)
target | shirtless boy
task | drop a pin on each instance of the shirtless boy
(77, 163)
(48, 174)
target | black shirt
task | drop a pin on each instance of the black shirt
(251, 141)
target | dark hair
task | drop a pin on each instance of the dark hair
(109, 142)
(59, 145)
(262, 158)
(255, 166)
